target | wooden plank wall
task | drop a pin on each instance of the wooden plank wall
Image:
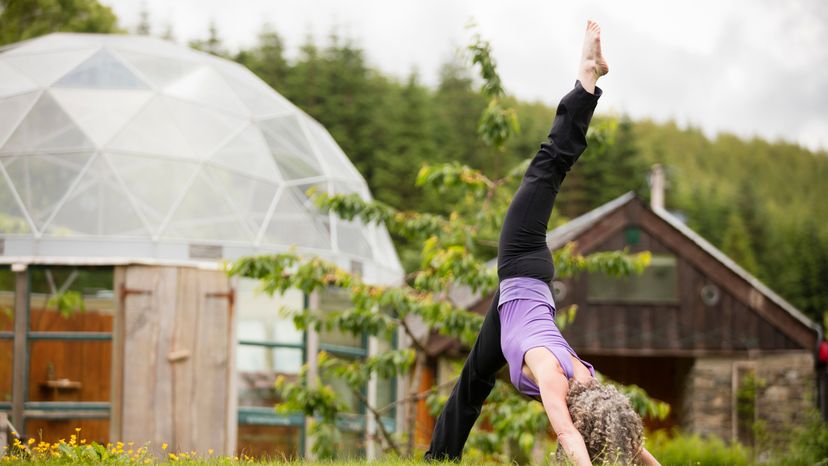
(176, 364)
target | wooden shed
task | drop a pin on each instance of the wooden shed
(164, 352)
(695, 329)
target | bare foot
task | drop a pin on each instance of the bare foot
(593, 65)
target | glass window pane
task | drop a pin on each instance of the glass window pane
(258, 368)
(335, 299)
(271, 442)
(258, 315)
(43, 180)
(6, 363)
(386, 388)
(344, 391)
(92, 430)
(69, 370)
(71, 299)
(658, 283)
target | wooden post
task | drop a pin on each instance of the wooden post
(4, 428)
(311, 355)
(371, 444)
(21, 323)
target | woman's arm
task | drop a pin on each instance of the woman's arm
(553, 387)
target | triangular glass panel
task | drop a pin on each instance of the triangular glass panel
(43, 180)
(257, 96)
(206, 213)
(293, 225)
(153, 131)
(158, 71)
(12, 110)
(250, 197)
(155, 183)
(351, 238)
(334, 161)
(101, 71)
(101, 113)
(46, 68)
(47, 128)
(207, 87)
(97, 206)
(204, 129)
(13, 82)
(290, 148)
(248, 152)
(12, 219)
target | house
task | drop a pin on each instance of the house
(695, 329)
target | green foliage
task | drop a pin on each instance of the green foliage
(683, 449)
(498, 122)
(736, 243)
(808, 444)
(67, 303)
(25, 19)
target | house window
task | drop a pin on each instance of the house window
(657, 284)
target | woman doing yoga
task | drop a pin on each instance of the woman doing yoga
(593, 422)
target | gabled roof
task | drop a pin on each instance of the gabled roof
(572, 229)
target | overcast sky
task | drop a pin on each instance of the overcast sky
(751, 67)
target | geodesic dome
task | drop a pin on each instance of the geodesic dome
(134, 147)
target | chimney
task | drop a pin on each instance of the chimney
(657, 187)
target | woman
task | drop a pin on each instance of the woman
(593, 422)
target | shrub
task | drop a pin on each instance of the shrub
(808, 445)
(682, 449)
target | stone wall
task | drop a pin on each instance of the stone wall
(784, 394)
(787, 389)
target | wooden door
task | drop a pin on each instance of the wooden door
(175, 359)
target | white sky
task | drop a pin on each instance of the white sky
(751, 67)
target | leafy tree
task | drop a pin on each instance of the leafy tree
(267, 59)
(25, 19)
(450, 255)
(736, 243)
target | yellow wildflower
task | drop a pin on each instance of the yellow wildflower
(209, 451)
(163, 446)
(31, 441)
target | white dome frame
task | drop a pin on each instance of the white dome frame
(118, 147)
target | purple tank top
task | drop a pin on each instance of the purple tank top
(527, 320)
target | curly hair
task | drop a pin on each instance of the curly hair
(611, 429)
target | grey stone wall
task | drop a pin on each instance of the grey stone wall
(785, 392)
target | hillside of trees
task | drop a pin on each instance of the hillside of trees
(763, 203)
